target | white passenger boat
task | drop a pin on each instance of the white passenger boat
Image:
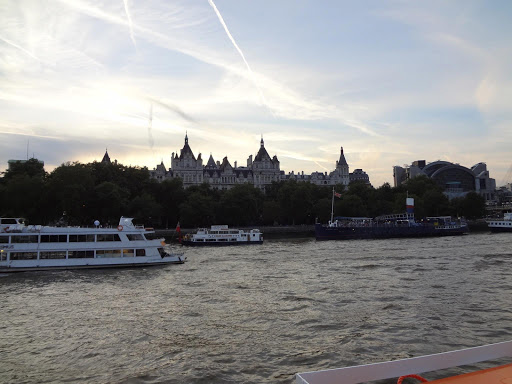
(420, 365)
(501, 225)
(222, 235)
(35, 247)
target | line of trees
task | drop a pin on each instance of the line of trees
(78, 194)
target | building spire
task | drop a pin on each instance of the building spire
(186, 137)
(106, 157)
(342, 160)
(261, 142)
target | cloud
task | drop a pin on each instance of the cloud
(388, 80)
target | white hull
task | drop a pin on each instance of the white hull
(503, 225)
(221, 235)
(126, 262)
(37, 248)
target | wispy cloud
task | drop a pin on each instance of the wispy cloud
(130, 23)
(377, 82)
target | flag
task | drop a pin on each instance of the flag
(178, 229)
(337, 194)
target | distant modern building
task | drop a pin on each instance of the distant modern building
(10, 163)
(455, 179)
(260, 171)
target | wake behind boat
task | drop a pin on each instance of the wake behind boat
(389, 226)
(35, 247)
(221, 235)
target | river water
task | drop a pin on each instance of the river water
(257, 314)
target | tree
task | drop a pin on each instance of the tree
(350, 205)
(198, 210)
(144, 207)
(271, 212)
(471, 206)
(170, 195)
(322, 210)
(419, 185)
(109, 202)
(70, 189)
(22, 189)
(31, 168)
(242, 205)
(22, 197)
(436, 203)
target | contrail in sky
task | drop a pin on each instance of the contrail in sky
(174, 109)
(130, 23)
(150, 126)
(238, 49)
(20, 48)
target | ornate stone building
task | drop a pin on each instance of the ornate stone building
(260, 171)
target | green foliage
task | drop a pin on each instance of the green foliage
(471, 206)
(83, 193)
(350, 205)
(242, 205)
(271, 212)
(198, 210)
(30, 168)
(169, 194)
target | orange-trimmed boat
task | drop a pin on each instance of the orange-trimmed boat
(419, 365)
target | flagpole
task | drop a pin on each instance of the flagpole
(332, 205)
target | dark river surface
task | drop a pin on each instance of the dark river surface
(257, 314)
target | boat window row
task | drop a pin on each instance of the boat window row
(214, 240)
(503, 223)
(100, 253)
(22, 238)
(223, 232)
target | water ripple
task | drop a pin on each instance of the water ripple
(257, 314)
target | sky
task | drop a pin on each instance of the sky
(389, 81)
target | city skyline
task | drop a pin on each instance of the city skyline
(390, 82)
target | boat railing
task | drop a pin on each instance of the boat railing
(396, 216)
(416, 365)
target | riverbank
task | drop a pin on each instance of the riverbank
(268, 231)
(284, 231)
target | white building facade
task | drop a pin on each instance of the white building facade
(260, 171)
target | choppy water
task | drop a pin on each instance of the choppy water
(257, 314)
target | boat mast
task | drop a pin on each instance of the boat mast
(332, 206)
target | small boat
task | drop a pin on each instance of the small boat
(221, 235)
(36, 247)
(412, 367)
(389, 226)
(501, 225)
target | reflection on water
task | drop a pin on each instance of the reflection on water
(257, 314)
